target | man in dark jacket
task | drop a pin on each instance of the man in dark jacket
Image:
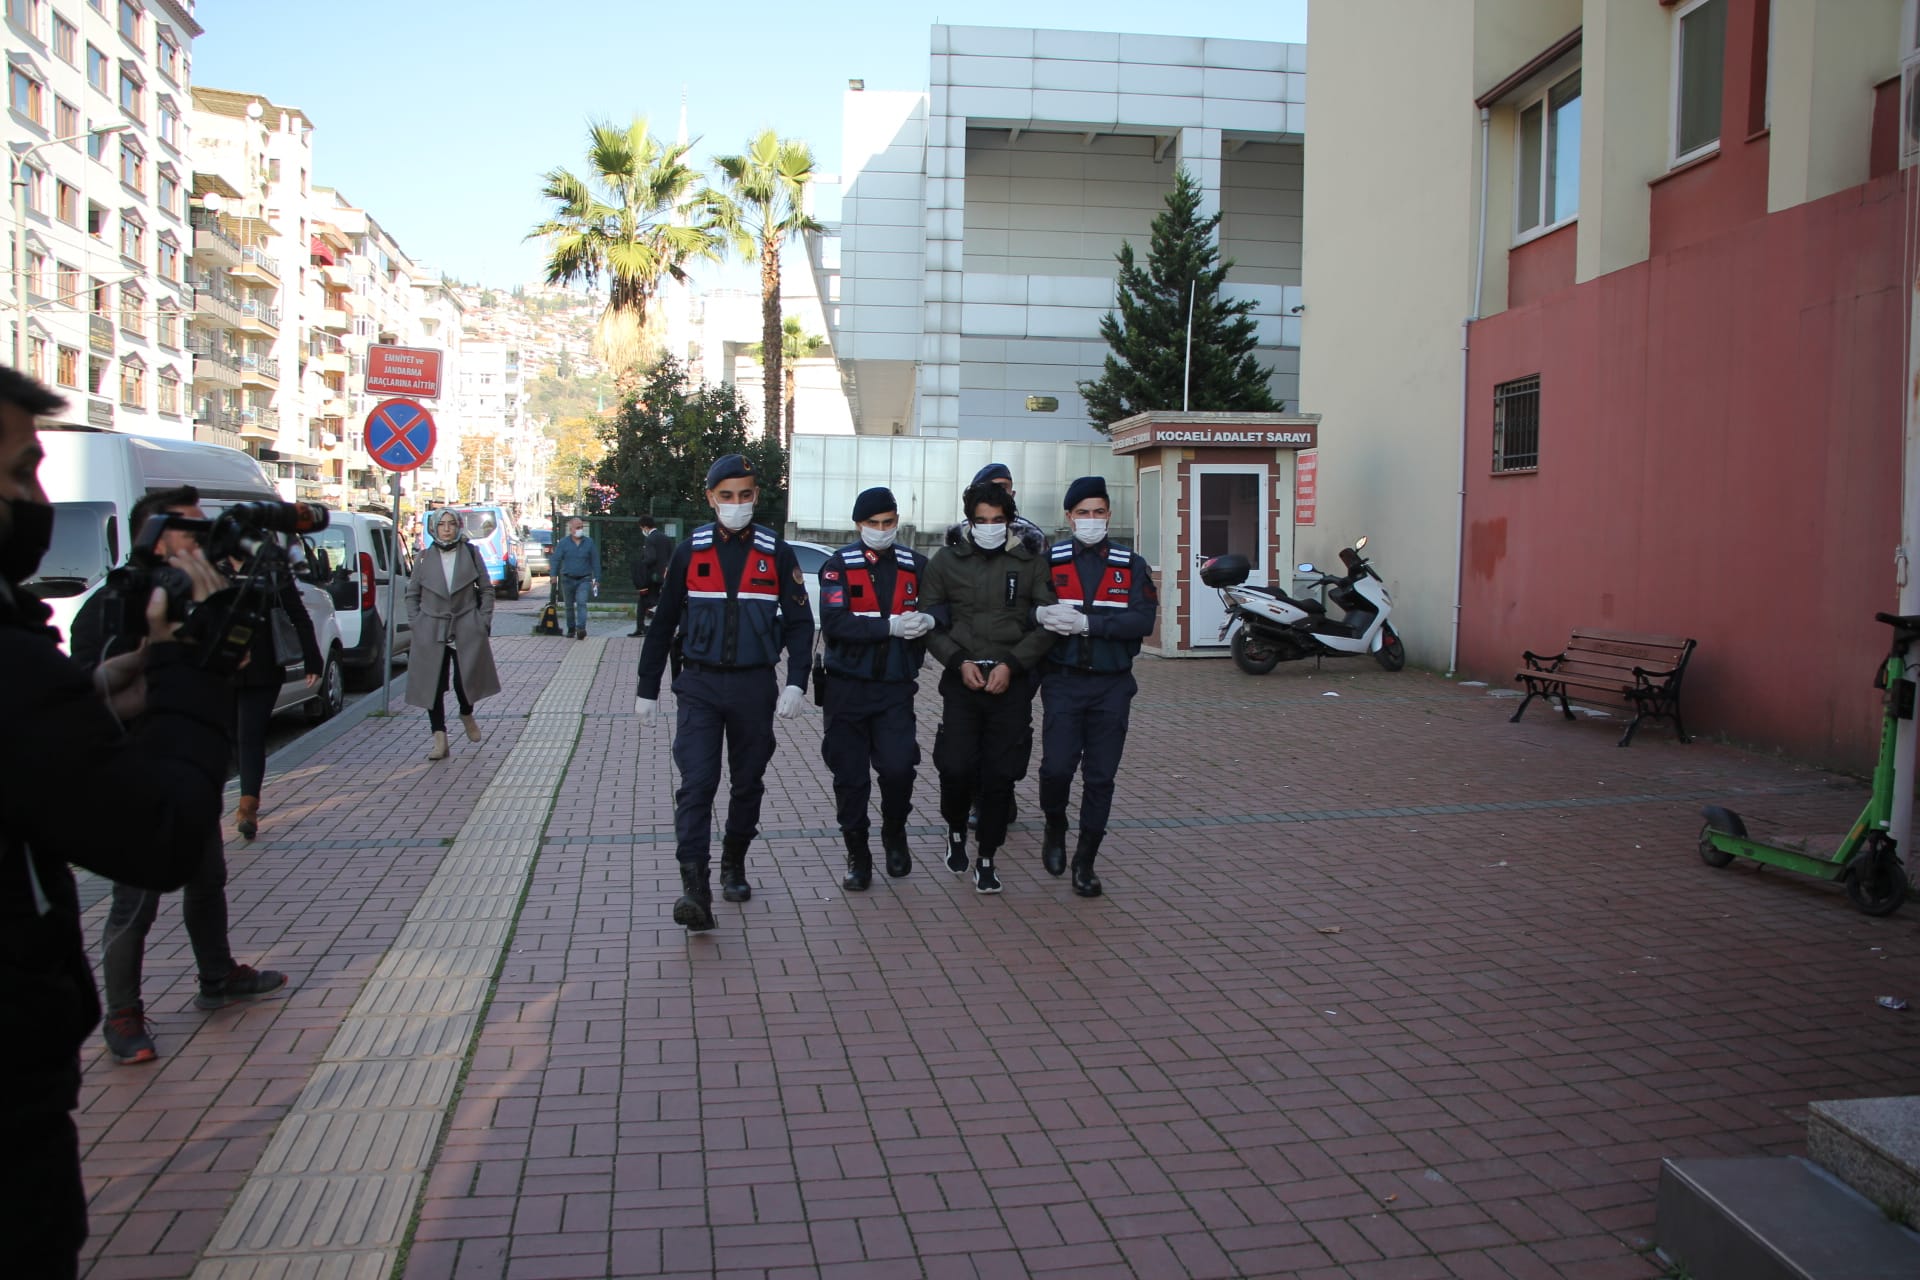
(75, 787)
(649, 571)
(983, 593)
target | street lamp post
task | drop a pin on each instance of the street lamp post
(20, 233)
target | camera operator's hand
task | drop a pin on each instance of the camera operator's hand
(970, 676)
(999, 678)
(205, 578)
(122, 682)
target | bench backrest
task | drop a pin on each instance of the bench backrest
(1623, 651)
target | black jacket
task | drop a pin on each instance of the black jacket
(649, 561)
(77, 788)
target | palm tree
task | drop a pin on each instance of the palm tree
(795, 344)
(633, 221)
(765, 202)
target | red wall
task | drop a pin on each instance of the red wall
(1720, 457)
(1542, 266)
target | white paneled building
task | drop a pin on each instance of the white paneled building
(974, 258)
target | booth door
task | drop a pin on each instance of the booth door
(1229, 506)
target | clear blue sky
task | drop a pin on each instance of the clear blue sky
(439, 116)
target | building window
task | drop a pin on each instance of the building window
(1516, 425)
(133, 310)
(37, 358)
(97, 69)
(169, 197)
(166, 329)
(24, 95)
(169, 391)
(25, 14)
(67, 368)
(96, 221)
(1548, 165)
(30, 188)
(97, 146)
(169, 260)
(67, 283)
(169, 126)
(66, 119)
(102, 297)
(133, 239)
(1699, 67)
(133, 167)
(36, 273)
(130, 21)
(167, 54)
(65, 39)
(66, 203)
(133, 385)
(130, 95)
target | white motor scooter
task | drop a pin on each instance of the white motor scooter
(1267, 626)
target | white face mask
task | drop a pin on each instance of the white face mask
(990, 537)
(734, 515)
(1089, 532)
(878, 539)
(579, 534)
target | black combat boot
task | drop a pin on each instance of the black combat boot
(694, 911)
(1053, 845)
(899, 857)
(1085, 883)
(859, 862)
(733, 870)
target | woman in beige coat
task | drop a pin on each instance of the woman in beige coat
(451, 602)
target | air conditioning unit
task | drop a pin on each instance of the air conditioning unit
(1910, 109)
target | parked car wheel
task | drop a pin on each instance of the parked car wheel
(331, 695)
(510, 582)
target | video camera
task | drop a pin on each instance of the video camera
(223, 625)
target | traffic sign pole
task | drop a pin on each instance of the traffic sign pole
(400, 437)
(393, 598)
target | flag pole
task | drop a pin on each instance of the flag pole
(1186, 377)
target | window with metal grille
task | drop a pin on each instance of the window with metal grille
(1516, 425)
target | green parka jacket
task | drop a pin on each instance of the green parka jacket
(984, 603)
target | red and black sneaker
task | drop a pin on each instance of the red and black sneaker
(244, 983)
(127, 1037)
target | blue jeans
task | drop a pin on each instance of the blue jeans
(576, 592)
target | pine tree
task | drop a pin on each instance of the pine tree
(1146, 363)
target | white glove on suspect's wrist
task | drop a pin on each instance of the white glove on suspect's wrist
(792, 698)
(646, 709)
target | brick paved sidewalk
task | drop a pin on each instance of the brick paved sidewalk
(1382, 986)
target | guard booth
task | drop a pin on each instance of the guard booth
(1211, 484)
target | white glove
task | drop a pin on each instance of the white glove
(897, 624)
(914, 625)
(646, 709)
(1061, 619)
(791, 699)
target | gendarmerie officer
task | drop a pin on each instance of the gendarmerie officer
(1107, 606)
(870, 616)
(733, 600)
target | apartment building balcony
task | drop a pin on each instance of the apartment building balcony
(336, 277)
(257, 265)
(262, 425)
(219, 307)
(333, 320)
(211, 243)
(214, 433)
(334, 362)
(100, 335)
(336, 407)
(260, 371)
(258, 317)
(212, 366)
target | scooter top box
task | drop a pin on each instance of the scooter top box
(1225, 571)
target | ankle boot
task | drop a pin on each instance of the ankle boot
(694, 911)
(899, 857)
(733, 870)
(1085, 883)
(438, 751)
(859, 862)
(1053, 845)
(246, 818)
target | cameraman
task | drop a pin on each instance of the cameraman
(203, 900)
(75, 787)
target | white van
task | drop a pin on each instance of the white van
(359, 561)
(95, 477)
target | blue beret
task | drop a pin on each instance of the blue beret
(993, 471)
(1082, 489)
(873, 502)
(731, 467)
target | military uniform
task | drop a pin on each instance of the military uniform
(871, 677)
(730, 605)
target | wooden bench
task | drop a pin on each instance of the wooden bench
(1642, 671)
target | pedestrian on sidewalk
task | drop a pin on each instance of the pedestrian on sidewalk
(1108, 604)
(575, 562)
(133, 805)
(203, 899)
(451, 601)
(649, 571)
(733, 601)
(870, 616)
(984, 591)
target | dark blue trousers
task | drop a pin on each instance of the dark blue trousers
(1083, 728)
(869, 732)
(713, 709)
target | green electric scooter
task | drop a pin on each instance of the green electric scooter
(1866, 860)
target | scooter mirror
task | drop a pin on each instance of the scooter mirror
(1361, 544)
(1306, 568)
